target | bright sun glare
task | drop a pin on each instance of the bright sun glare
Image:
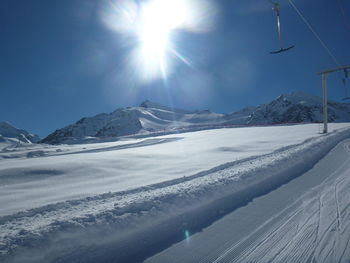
(157, 19)
(151, 23)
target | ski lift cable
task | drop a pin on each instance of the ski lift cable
(315, 33)
(345, 17)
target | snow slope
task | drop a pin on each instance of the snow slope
(40, 176)
(126, 200)
(305, 220)
(297, 107)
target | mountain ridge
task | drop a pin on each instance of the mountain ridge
(9, 133)
(296, 107)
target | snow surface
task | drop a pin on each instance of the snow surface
(63, 173)
(305, 220)
(98, 201)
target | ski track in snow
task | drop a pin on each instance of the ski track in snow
(311, 234)
(314, 227)
(323, 218)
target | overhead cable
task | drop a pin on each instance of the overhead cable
(315, 33)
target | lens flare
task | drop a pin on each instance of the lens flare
(151, 24)
(187, 236)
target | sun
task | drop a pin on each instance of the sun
(158, 20)
(152, 25)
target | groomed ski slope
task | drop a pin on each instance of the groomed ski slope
(124, 201)
(37, 175)
(305, 220)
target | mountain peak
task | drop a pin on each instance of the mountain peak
(300, 97)
(6, 124)
(154, 105)
(151, 104)
(8, 130)
(6, 127)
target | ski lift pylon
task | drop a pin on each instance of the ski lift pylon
(346, 77)
(276, 8)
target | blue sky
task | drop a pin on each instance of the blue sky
(59, 62)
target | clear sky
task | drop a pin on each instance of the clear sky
(59, 61)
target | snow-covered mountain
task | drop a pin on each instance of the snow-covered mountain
(148, 117)
(296, 107)
(9, 133)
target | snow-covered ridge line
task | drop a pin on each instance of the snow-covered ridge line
(112, 215)
(297, 107)
(12, 135)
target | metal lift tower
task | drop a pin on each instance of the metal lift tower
(325, 74)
